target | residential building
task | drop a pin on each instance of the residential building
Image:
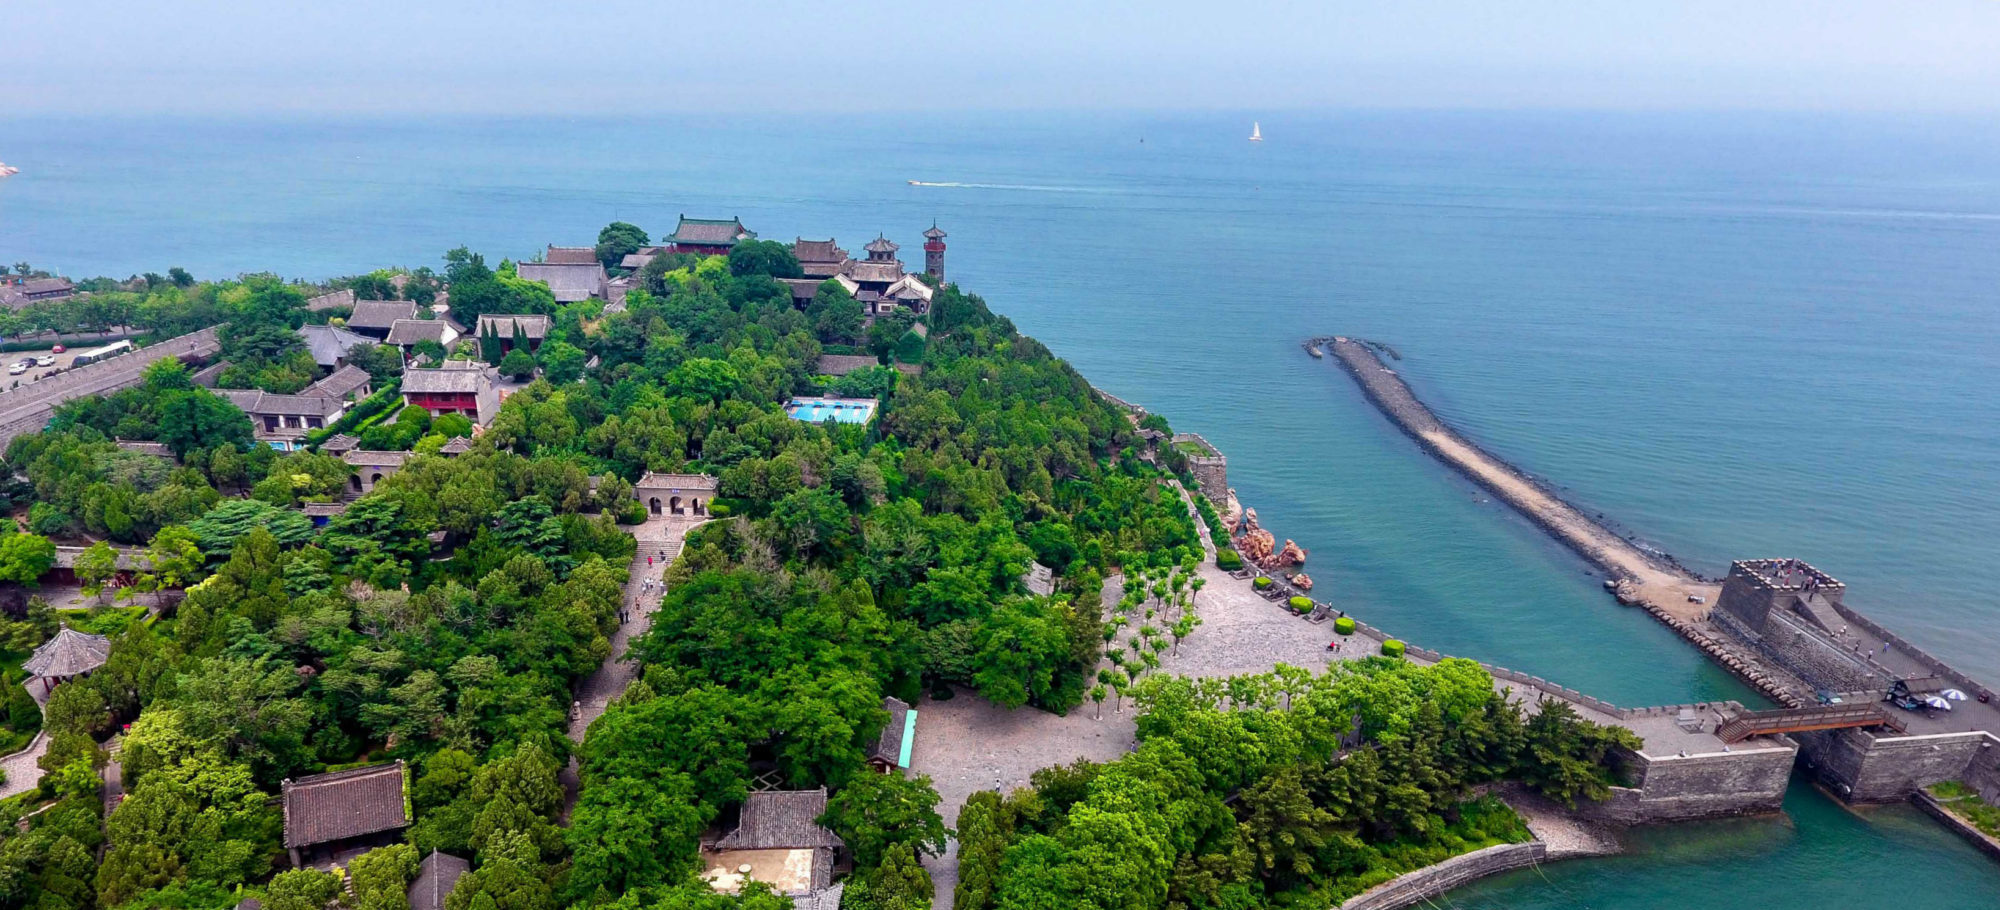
(408, 333)
(331, 345)
(35, 290)
(283, 421)
(374, 318)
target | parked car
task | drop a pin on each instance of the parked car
(19, 368)
(46, 360)
(59, 349)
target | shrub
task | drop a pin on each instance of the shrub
(1227, 560)
(1300, 604)
(1261, 583)
(1392, 648)
(1344, 625)
(718, 510)
(633, 513)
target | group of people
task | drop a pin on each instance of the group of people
(1790, 571)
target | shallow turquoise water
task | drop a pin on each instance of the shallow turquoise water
(1739, 336)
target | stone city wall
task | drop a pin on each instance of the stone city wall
(1803, 650)
(1865, 768)
(1429, 882)
(1211, 471)
(1983, 772)
(1674, 788)
(1921, 656)
(1965, 829)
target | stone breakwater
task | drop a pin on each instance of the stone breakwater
(1668, 591)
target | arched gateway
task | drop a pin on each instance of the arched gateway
(676, 495)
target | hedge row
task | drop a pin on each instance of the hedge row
(391, 391)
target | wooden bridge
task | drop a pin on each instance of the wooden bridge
(1805, 720)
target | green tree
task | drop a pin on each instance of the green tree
(764, 257)
(199, 419)
(381, 877)
(876, 812)
(25, 558)
(899, 883)
(562, 362)
(518, 365)
(96, 565)
(618, 240)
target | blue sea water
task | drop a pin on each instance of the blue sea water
(1736, 335)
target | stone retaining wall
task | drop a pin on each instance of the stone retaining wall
(1424, 884)
(1676, 788)
(1865, 768)
(1959, 826)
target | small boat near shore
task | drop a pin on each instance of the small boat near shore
(7, 170)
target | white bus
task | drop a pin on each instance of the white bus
(96, 354)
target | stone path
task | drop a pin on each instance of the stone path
(23, 768)
(660, 541)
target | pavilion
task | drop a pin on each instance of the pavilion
(68, 655)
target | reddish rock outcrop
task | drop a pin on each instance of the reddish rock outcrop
(1303, 581)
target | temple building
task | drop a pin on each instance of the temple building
(820, 259)
(374, 318)
(570, 255)
(283, 421)
(334, 817)
(459, 387)
(878, 282)
(778, 841)
(707, 236)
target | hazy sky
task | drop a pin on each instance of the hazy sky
(87, 56)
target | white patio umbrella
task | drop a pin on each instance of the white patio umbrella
(1941, 704)
(1953, 694)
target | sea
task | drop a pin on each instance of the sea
(1733, 335)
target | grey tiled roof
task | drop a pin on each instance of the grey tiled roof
(336, 300)
(781, 820)
(655, 481)
(69, 653)
(381, 314)
(404, 332)
(340, 383)
(710, 231)
(885, 272)
(818, 251)
(436, 876)
(889, 746)
(256, 402)
(881, 244)
(344, 804)
(330, 344)
(442, 381)
(571, 255)
(569, 282)
(535, 326)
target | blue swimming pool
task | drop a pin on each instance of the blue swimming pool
(844, 410)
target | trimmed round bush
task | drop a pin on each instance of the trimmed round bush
(718, 510)
(1261, 583)
(1300, 604)
(1392, 648)
(1228, 560)
(1344, 625)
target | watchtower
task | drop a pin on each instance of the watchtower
(1756, 587)
(934, 253)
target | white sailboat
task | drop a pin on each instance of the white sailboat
(1256, 132)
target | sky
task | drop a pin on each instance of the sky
(625, 56)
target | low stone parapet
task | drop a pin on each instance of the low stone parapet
(1420, 886)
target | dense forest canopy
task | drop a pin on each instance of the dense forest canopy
(445, 617)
